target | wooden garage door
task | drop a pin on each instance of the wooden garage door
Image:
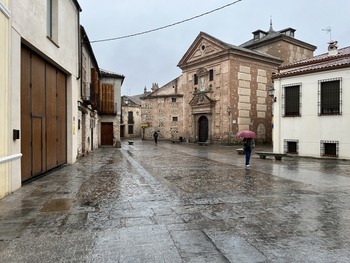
(106, 133)
(43, 115)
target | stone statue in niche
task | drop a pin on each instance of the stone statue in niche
(202, 84)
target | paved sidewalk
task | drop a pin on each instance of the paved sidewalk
(180, 203)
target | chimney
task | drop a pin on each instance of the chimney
(332, 48)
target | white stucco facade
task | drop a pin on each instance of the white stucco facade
(6, 156)
(311, 129)
(29, 20)
(25, 23)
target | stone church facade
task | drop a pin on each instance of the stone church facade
(222, 89)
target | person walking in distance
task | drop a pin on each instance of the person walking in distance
(155, 136)
(248, 145)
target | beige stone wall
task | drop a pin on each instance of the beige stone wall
(163, 111)
(288, 52)
(136, 110)
(163, 115)
(219, 120)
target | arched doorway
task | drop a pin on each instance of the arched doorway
(203, 129)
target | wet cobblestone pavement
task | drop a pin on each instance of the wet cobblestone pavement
(180, 203)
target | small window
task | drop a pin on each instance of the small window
(52, 20)
(291, 146)
(174, 119)
(195, 77)
(173, 99)
(329, 148)
(292, 101)
(211, 75)
(330, 97)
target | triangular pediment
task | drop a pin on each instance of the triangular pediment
(203, 46)
(200, 99)
(202, 104)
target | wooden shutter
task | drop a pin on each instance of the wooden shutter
(107, 98)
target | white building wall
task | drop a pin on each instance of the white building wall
(5, 151)
(28, 26)
(88, 126)
(310, 129)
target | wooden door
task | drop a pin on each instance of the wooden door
(203, 129)
(61, 117)
(38, 115)
(26, 121)
(51, 121)
(106, 133)
(43, 115)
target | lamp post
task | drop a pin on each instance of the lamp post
(271, 93)
(229, 122)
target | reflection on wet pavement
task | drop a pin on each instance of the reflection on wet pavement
(180, 203)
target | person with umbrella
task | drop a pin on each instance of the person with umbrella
(248, 144)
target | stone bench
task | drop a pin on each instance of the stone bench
(131, 142)
(176, 141)
(240, 151)
(278, 156)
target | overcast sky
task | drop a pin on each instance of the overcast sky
(153, 57)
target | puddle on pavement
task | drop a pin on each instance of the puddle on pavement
(57, 205)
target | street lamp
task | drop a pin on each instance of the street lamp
(229, 122)
(271, 93)
(228, 110)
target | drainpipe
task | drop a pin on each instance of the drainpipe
(81, 44)
(79, 47)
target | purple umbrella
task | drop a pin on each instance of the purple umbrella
(245, 134)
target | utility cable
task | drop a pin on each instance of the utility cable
(163, 27)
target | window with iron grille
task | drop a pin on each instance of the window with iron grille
(330, 97)
(292, 100)
(174, 119)
(291, 146)
(330, 148)
(173, 99)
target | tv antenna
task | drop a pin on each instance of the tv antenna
(328, 31)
